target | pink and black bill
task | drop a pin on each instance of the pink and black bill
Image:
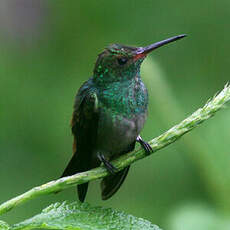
(143, 51)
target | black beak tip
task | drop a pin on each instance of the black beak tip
(182, 36)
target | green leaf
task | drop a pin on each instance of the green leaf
(82, 216)
(4, 225)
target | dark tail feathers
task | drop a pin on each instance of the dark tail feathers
(76, 165)
(111, 183)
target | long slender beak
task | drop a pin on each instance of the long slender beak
(143, 51)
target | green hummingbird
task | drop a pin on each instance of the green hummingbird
(110, 110)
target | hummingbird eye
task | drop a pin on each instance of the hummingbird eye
(122, 61)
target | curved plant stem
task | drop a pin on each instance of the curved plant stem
(170, 136)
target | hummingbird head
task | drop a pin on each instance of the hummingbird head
(121, 63)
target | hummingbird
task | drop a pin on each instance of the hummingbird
(110, 110)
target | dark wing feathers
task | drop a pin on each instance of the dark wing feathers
(84, 129)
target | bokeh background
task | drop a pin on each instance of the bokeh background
(48, 49)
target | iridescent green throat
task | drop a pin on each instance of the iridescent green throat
(127, 98)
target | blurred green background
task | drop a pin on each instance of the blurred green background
(48, 49)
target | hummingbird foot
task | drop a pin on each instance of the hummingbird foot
(112, 169)
(145, 145)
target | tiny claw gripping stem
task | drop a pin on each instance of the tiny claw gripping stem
(112, 169)
(145, 145)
